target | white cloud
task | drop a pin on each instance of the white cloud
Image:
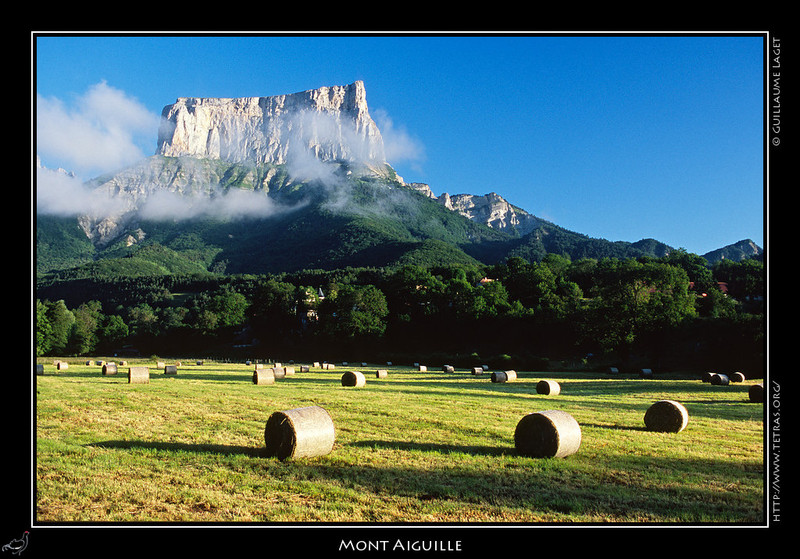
(399, 145)
(234, 204)
(101, 131)
(60, 194)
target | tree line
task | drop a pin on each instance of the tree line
(675, 312)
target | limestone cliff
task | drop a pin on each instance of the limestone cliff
(329, 123)
(492, 210)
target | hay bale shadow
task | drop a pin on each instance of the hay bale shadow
(476, 450)
(221, 449)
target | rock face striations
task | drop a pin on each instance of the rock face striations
(492, 210)
(329, 123)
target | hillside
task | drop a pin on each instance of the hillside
(285, 183)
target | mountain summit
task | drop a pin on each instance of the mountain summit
(329, 123)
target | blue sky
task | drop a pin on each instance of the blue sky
(616, 137)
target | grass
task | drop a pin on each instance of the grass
(416, 447)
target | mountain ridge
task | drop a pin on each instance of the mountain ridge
(280, 183)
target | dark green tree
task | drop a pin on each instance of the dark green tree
(632, 298)
(61, 324)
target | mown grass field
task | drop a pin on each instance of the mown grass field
(415, 447)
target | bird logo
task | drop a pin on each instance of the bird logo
(17, 546)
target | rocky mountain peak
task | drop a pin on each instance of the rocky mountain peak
(490, 209)
(329, 123)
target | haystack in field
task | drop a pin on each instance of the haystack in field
(138, 375)
(547, 434)
(299, 433)
(756, 393)
(109, 369)
(39, 369)
(381, 373)
(423, 368)
(666, 416)
(354, 378)
(288, 371)
(736, 377)
(448, 369)
(706, 377)
(278, 372)
(62, 365)
(718, 379)
(477, 371)
(548, 387)
(504, 376)
(263, 376)
(646, 373)
(170, 369)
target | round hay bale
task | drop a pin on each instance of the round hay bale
(138, 375)
(477, 370)
(110, 369)
(299, 433)
(718, 379)
(504, 376)
(423, 368)
(646, 373)
(304, 368)
(160, 364)
(666, 416)
(756, 393)
(278, 372)
(62, 365)
(381, 373)
(613, 370)
(288, 371)
(550, 387)
(547, 434)
(263, 376)
(39, 369)
(170, 369)
(737, 377)
(706, 377)
(354, 378)
(448, 369)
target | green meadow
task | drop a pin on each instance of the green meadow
(415, 447)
